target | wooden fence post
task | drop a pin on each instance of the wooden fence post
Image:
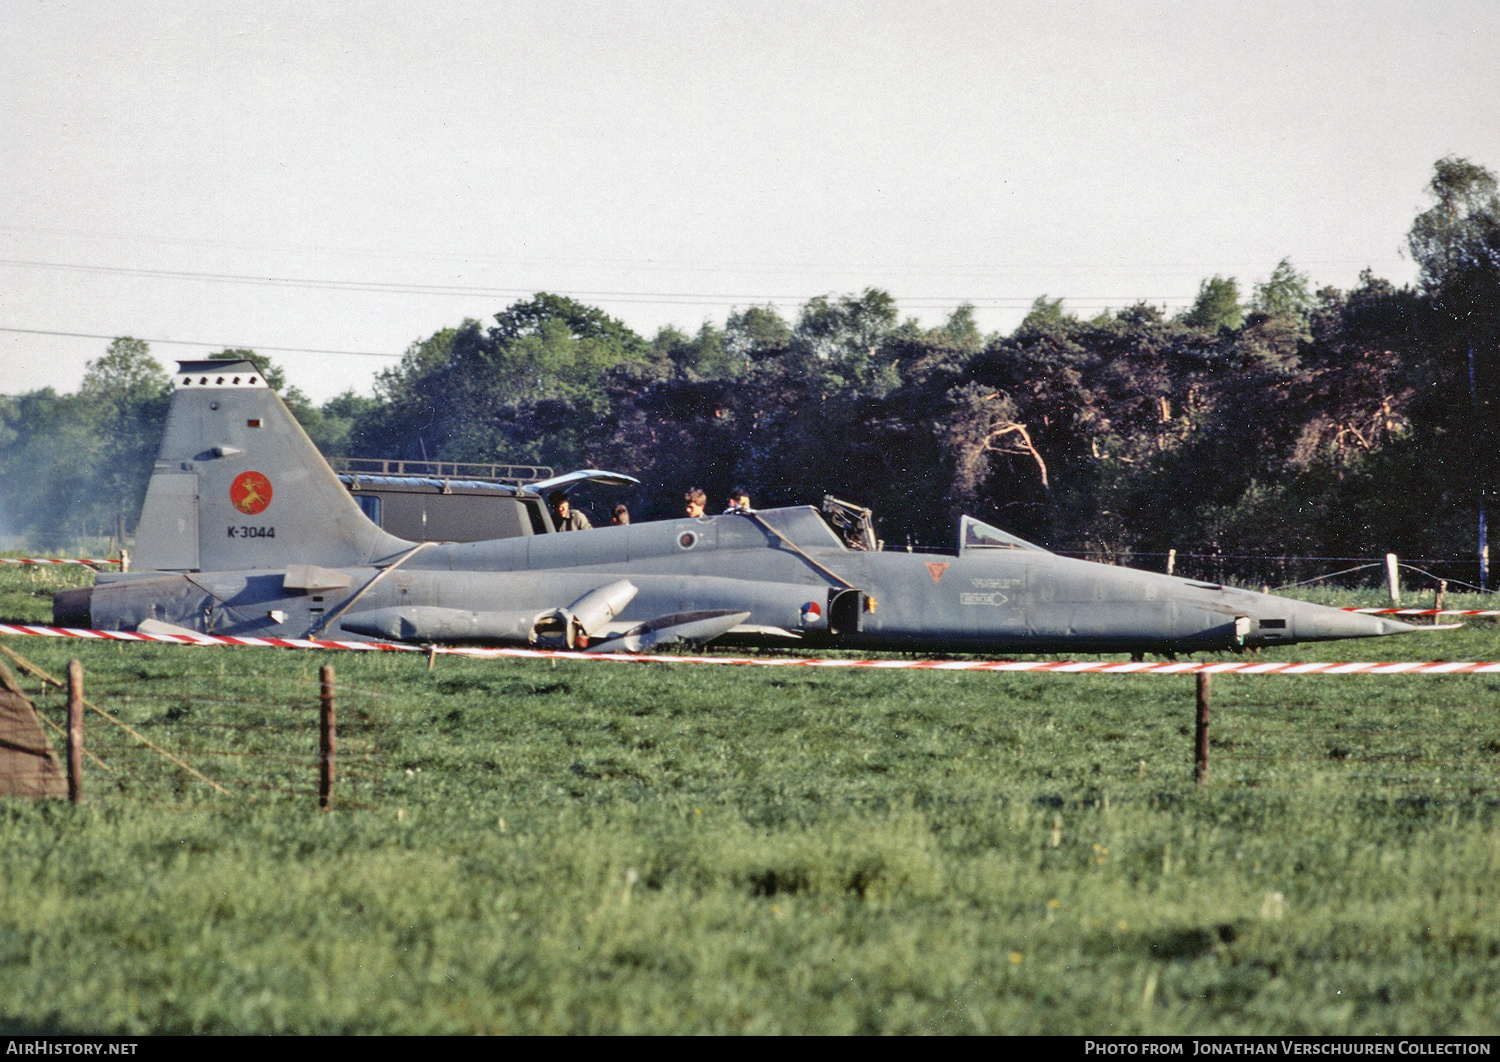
(1393, 576)
(75, 732)
(327, 739)
(1200, 739)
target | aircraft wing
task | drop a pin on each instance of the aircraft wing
(696, 627)
(587, 623)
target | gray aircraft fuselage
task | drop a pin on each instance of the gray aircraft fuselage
(247, 532)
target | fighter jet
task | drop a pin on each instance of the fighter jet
(246, 531)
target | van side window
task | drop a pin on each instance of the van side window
(370, 506)
(539, 525)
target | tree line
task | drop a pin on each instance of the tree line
(1279, 421)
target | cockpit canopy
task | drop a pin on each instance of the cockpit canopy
(976, 534)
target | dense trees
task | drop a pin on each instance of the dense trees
(1456, 243)
(72, 464)
(1217, 305)
(528, 389)
(1293, 422)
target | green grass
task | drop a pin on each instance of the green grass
(596, 848)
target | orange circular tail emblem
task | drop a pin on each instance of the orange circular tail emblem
(250, 492)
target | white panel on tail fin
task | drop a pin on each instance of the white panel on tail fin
(167, 535)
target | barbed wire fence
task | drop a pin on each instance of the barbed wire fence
(1282, 572)
(256, 737)
(250, 738)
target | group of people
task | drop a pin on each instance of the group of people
(697, 501)
(568, 518)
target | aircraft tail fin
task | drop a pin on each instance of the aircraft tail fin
(239, 485)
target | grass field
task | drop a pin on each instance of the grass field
(610, 848)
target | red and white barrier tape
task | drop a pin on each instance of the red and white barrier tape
(1425, 611)
(59, 560)
(1071, 667)
(202, 639)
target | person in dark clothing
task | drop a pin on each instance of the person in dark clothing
(565, 516)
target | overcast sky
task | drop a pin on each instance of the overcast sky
(304, 179)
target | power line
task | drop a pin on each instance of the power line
(674, 298)
(779, 265)
(195, 343)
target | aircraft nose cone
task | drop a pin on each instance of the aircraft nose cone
(1316, 623)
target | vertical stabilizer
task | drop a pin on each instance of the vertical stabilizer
(239, 485)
